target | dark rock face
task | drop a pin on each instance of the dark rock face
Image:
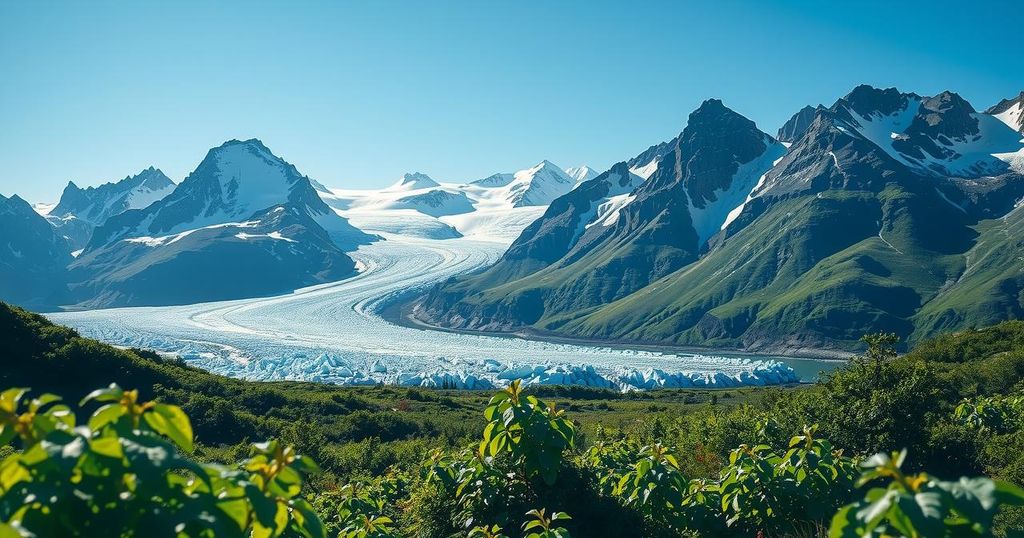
(797, 125)
(705, 157)
(616, 233)
(96, 204)
(79, 210)
(551, 237)
(866, 100)
(273, 251)
(33, 257)
(940, 120)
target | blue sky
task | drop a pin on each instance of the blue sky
(356, 93)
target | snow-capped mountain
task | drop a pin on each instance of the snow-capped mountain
(938, 136)
(538, 185)
(33, 257)
(413, 181)
(242, 213)
(581, 173)
(1010, 112)
(232, 183)
(273, 251)
(96, 204)
(534, 186)
(621, 231)
(889, 211)
(495, 208)
(79, 210)
(436, 203)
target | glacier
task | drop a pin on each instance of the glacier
(335, 333)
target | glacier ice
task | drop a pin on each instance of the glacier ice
(335, 333)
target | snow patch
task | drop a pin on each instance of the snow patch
(647, 170)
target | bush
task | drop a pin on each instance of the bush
(126, 470)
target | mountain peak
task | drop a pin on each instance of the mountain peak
(581, 173)
(947, 101)
(254, 142)
(713, 116)
(413, 181)
(866, 100)
(796, 126)
(712, 106)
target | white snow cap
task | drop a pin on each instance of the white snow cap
(413, 181)
(581, 173)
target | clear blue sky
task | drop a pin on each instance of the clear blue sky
(356, 93)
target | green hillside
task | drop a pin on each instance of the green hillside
(820, 270)
(953, 402)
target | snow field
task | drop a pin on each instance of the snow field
(334, 333)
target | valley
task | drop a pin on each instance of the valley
(335, 333)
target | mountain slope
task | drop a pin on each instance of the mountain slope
(581, 173)
(273, 251)
(1010, 112)
(848, 232)
(79, 210)
(233, 182)
(617, 233)
(245, 223)
(796, 126)
(538, 185)
(33, 257)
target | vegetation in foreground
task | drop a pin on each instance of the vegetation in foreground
(667, 463)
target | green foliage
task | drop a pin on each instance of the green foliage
(532, 433)
(953, 402)
(655, 486)
(996, 414)
(362, 514)
(919, 506)
(122, 472)
(484, 531)
(764, 490)
(542, 526)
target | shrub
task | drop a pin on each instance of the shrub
(126, 469)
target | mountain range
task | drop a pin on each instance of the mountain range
(888, 211)
(885, 211)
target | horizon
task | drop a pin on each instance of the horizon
(355, 95)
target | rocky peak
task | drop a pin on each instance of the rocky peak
(947, 114)
(867, 100)
(797, 125)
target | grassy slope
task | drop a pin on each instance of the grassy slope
(812, 269)
(990, 287)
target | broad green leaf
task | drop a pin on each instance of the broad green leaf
(9, 399)
(106, 414)
(311, 526)
(112, 393)
(175, 425)
(107, 446)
